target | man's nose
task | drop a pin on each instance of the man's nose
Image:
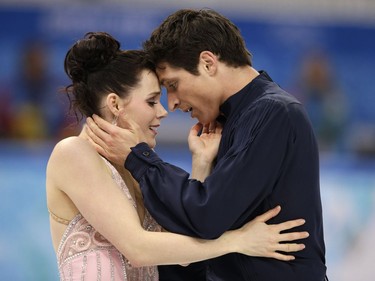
(173, 102)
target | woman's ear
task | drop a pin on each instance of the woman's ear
(113, 101)
(208, 60)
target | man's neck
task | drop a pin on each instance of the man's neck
(237, 79)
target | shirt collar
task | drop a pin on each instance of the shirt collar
(251, 91)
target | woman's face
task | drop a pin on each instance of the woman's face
(144, 107)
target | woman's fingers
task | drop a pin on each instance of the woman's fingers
(269, 214)
(294, 236)
(281, 248)
(281, 226)
(289, 247)
(282, 257)
(278, 253)
(278, 228)
(289, 224)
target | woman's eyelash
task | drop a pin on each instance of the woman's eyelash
(152, 102)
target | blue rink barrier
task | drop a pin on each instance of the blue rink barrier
(26, 252)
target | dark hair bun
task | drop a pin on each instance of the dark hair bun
(90, 54)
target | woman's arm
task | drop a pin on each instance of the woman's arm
(77, 170)
(255, 238)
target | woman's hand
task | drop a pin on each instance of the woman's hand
(258, 239)
(204, 148)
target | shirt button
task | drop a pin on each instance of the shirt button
(146, 153)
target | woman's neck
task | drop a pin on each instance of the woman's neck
(130, 182)
(133, 188)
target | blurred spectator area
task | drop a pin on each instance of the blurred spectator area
(321, 51)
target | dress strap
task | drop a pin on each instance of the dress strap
(58, 219)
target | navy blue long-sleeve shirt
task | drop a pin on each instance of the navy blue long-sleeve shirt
(268, 156)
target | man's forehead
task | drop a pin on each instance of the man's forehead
(161, 65)
(164, 74)
(161, 76)
(165, 66)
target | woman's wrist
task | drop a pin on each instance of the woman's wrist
(229, 242)
(201, 168)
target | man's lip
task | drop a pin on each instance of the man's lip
(189, 109)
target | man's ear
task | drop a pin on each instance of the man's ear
(209, 62)
(113, 101)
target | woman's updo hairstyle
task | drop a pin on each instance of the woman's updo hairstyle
(96, 67)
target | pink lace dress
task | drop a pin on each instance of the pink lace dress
(84, 254)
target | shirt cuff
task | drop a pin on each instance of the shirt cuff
(140, 159)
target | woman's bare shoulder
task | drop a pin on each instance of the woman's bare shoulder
(73, 153)
(73, 147)
(72, 144)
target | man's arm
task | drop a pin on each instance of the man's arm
(238, 184)
(204, 143)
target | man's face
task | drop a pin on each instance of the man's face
(190, 93)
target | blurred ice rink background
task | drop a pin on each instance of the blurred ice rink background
(321, 51)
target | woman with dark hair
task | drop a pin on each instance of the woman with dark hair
(99, 226)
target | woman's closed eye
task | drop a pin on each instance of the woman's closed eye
(152, 102)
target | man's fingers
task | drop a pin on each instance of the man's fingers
(95, 134)
(212, 127)
(98, 148)
(194, 131)
(205, 129)
(125, 121)
(96, 142)
(93, 127)
(219, 128)
(102, 126)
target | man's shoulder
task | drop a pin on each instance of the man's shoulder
(276, 93)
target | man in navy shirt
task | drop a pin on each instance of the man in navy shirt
(268, 154)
